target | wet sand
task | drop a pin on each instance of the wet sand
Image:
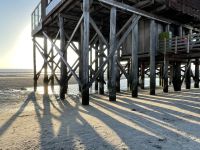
(31, 120)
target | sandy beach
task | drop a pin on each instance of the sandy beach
(31, 120)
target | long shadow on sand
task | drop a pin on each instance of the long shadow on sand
(146, 123)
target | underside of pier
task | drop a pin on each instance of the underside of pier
(136, 39)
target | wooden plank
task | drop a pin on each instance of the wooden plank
(112, 60)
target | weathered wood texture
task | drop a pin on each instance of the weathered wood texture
(112, 64)
(152, 58)
(46, 80)
(63, 71)
(34, 66)
(84, 52)
(134, 69)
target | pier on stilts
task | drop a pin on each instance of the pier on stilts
(117, 37)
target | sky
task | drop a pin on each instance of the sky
(15, 34)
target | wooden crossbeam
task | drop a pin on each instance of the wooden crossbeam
(188, 66)
(66, 63)
(135, 20)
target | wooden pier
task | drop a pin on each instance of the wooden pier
(117, 37)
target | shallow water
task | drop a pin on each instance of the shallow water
(74, 88)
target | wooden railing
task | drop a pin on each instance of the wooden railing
(180, 44)
(52, 5)
(36, 17)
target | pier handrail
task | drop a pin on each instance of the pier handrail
(36, 17)
(52, 5)
(180, 44)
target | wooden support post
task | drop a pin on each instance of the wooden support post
(63, 75)
(171, 75)
(129, 70)
(176, 79)
(34, 66)
(91, 69)
(188, 43)
(188, 77)
(84, 52)
(177, 76)
(112, 61)
(45, 68)
(80, 54)
(152, 58)
(134, 69)
(142, 84)
(176, 45)
(118, 73)
(101, 76)
(180, 31)
(165, 69)
(96, 64)
(52, 68)
(161, 75)
(196, 82)
(44, 4)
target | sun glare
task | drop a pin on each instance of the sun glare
(21, 56)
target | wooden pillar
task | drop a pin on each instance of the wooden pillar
(112, 61)
(142, 84)
(84, 53)
(45, 68)
(63, 73)
(34, 66)
(134, 59)
(180, 31)
(177, 68)
(96, 65)
(101, 76)
(152, 58)
(91, 61)
(196, 82)
(177, 76)
(118, 73)
(188, 77)
(161, 75)
(171, 75)
(80, 54)
(52, 68)
(165, 74)
(128, 81)
(44, 4)
(166, 64)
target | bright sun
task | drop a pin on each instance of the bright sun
(21, 56)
